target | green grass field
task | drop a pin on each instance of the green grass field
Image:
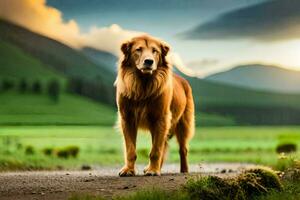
(103, 145)
(33, 109)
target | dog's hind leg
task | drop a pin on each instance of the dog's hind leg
(184, 131)
(181, 133)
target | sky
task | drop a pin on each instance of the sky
(206, 36)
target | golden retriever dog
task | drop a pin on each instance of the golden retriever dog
(150, 96)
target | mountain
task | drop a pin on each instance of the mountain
(104, 59)
(16, 64)
(245, 106)
(260, 77)
(61, 58)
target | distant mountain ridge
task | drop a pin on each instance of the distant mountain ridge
(104, 59)
(260, 77)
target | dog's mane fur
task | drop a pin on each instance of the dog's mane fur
(133, 84)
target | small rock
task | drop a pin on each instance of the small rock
(223, 171)
(67, 174)
(42, 193)
(171, 179)
(230, 170)
(125, 187)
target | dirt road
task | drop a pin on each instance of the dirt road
(59, 185)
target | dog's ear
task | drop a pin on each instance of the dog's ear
(165, 48)
(125, 47)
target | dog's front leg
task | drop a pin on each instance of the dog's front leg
(159, 132)
(129, 133)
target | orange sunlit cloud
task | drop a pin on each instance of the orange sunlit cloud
(37, 16)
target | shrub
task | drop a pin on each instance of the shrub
(72, 151)
(66, 152)
(250, 184)
(7, 84)
(62, 153)
(267, 177)
(213, 187)
(29, 150)
(286, 148)
(23, 85)
(48, 151)
(37, 87)
(54, 90)
(258, 181)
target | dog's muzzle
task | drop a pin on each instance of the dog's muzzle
(147, 66)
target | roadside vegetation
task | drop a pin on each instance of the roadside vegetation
(44, 147)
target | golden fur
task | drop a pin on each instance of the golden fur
(158, 101)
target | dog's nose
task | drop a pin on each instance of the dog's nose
(148, 62)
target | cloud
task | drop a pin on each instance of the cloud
(268, 21)
(37, 16)
(176, 61)
(204, 63)
(108, 38)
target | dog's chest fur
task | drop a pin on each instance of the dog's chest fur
(143, 113)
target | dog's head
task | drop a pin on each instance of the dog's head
(145, 53)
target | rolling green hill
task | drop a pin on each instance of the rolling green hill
(209, 93)
(16, 64)
(63, 59)
(245, 106)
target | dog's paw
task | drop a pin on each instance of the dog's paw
(125, 171)
(149, 172)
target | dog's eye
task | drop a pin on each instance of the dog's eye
(154, 51)
(139, 49)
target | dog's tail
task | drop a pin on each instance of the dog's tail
(189, 112)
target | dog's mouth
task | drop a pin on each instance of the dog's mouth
(147, 70)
